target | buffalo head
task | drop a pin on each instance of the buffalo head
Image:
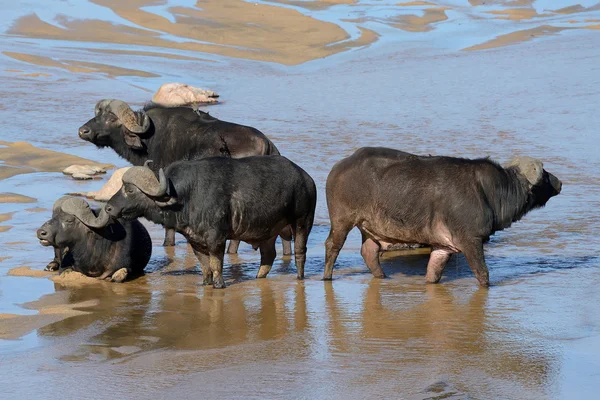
(114, 119)
(541, 184)
(141, 191)
(71, 218)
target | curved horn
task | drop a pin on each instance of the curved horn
(147, 163)
(81, 209)
(128, 117)
(146, 181)
(58, 203)
(102, 104)
(170, 202)
(531, 168)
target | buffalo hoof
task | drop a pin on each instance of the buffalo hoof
(380, 276)
(120, 275)
(207, 282)
(219, 284)
(263, 271)
(169, 243)
(301, 277)
(52, 266)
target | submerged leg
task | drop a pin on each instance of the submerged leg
(437, 262)
(473, 251)
(204, 259)
(233, 247)
(169, 237)
(54, 265)
(267, 257)
(216, 266)
(286, 240)
(370, 253)
(333, 245)
(301, 232)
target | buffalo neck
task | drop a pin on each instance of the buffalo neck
(508, 195)
(135, 157)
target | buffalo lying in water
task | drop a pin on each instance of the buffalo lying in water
(90, 243)
(452, 204)
(215, 199)
(166, 135)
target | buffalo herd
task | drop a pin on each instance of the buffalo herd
(215, 181)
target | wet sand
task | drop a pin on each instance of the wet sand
(321, 79)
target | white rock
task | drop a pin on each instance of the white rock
(81, 177)
(180, 94)
(84, 169)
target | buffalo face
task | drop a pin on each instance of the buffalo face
(71, 218)
(113, 119)
(542, 184)
(140, 193)
(128, 203)
(548, 187)
(61, 230)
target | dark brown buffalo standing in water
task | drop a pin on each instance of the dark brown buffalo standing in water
(165, 135)
(452, 204)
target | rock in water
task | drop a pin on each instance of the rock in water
(180, 94)
(84, 169)
(81, 177)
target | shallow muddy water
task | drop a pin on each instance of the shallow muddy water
(534, 334)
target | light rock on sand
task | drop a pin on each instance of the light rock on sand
(180, 94)
(109, 189)
(82, 172)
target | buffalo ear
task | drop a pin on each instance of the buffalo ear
(133, 140)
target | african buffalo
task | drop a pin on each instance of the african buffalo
(97, 246)
(166, 135)
(214, 199)
(452, 204)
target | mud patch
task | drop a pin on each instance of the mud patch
(22, 157)
(3, 218)
(77, 66)
(16, 198)
(73, 278)
(14, 326)
(27, 271)
(518, 37)
(235, 28)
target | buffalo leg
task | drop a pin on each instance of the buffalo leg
(207, 275)
(169, 237)
(233, 247)
(300, 239)
(473, 251)
(216, 266)
(334, 243)
(370, 253)
(54, 265)
(286, 240)
(437, 262)
(267, 256)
